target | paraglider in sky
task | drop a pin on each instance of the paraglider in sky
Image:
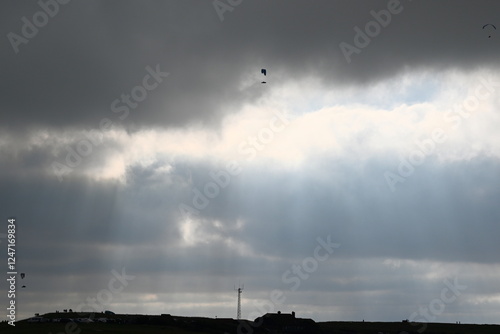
(490, 27)
(22, 275)
(263, 71)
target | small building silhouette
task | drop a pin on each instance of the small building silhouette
(286, 323)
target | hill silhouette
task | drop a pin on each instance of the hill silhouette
(277, 323)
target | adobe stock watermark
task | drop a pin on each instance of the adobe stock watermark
(222, 6)
(96, 304)
(120, 106)
(222, 178)
(301, 272)
(294, 276)
(372, 29)
(449, 294)
(426, 147)
(30, 28)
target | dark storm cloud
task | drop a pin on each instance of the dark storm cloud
(92, 52)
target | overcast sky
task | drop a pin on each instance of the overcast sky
(360, 182)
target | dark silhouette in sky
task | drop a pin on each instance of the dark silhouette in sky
(489, 26)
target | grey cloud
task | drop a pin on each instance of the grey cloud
(91, 52)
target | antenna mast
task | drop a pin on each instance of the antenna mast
(238, 312)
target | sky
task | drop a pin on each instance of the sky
(150, 171)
